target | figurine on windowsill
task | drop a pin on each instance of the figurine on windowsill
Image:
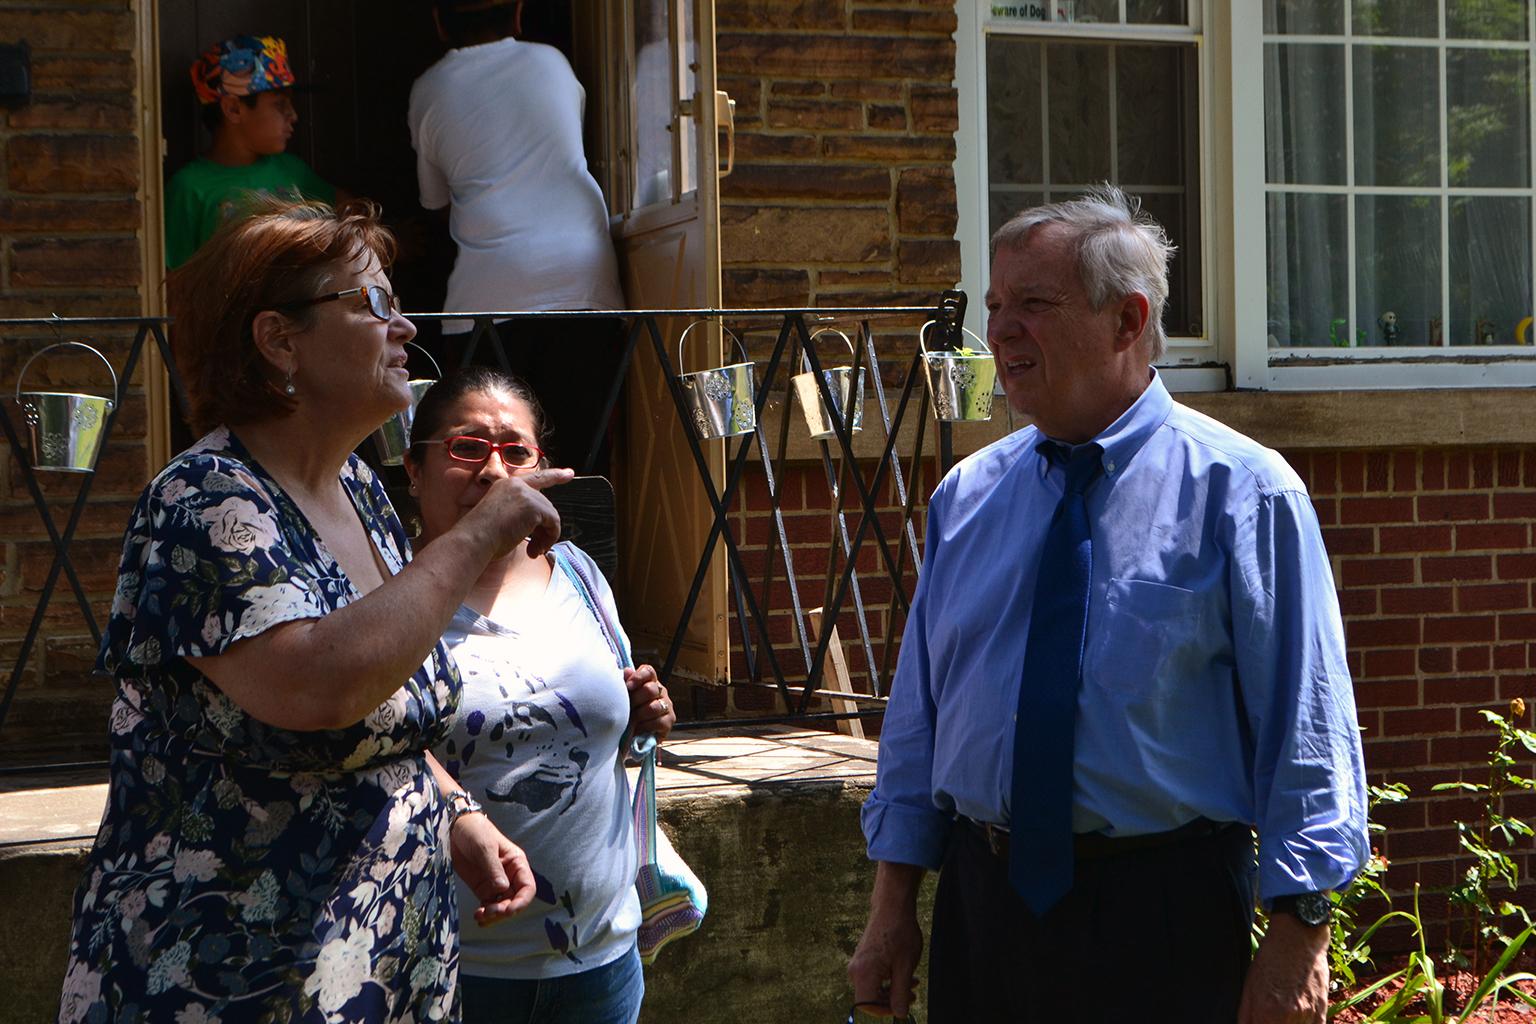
(1388, 324)
(1436, 331)
(1485, 331)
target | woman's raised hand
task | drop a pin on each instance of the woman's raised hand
(515, 507)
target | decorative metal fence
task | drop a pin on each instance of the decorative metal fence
(852, 484)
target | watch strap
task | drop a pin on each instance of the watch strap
(461, 803)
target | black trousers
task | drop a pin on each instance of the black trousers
(1151, 935)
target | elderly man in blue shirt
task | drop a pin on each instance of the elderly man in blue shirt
(1124, 657)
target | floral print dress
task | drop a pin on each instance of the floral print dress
(244, 872)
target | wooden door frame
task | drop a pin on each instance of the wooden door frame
(157, 384)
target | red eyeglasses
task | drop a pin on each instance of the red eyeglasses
(514, 454)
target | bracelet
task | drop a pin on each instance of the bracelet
(461, 803)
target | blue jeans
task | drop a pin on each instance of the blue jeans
(609, 994)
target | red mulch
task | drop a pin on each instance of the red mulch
(1459, 987)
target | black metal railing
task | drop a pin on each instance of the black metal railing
(854, 486)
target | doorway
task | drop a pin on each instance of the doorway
(355, 62)
(651, 139)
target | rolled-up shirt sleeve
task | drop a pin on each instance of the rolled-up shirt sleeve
(901, 823)
(1308, 773)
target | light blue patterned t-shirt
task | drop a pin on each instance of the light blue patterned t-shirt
(537, 742)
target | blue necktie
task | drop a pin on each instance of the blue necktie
(1040, 840)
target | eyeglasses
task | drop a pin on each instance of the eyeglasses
(876, 1013)
(514, 454)
(381, 302)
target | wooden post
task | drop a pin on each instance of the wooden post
(838, 678)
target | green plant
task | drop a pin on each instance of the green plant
(1349, 947)
(1422, 984)
(1488, 840)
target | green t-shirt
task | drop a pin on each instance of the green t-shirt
(203, 194)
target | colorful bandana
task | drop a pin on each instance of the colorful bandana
(242, 66)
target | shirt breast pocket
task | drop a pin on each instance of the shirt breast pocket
(1150, 635)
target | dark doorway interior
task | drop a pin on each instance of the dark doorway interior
(359, 58)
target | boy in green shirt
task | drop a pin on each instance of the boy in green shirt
(245, 86)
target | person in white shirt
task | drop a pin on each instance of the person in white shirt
(542, 722)
(496, 125)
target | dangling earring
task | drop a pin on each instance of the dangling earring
(288, 388)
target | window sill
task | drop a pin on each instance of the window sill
(1287, 420)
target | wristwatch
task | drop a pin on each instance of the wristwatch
(461, 803)
(1313, 908)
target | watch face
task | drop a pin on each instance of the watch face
(1313, 908)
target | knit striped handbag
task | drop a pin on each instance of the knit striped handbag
(672, 899)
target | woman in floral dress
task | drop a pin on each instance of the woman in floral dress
(277, 839)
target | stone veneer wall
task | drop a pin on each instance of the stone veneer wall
(70, 217)
(843, 192)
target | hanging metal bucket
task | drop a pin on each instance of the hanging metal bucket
(393, 437)
(960, 382)
(841, 385)
(65, 428)
(720, 401)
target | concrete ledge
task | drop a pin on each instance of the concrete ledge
(766, 816)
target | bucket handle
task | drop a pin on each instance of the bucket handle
(684, 337)
(66, 344)
(923, 332)
(806, 362)
(418, 348)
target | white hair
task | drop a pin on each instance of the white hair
(1120, 249)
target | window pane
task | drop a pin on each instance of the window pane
(1152, 145)
(1156, 12)
(1397, 17)
(1304, 17)
(653, 104)
(1308, 250)
(688, 172)
(1304, 111)
(1013, 110)
(1103, 11)
(1004, 203)
(1077, 78)
(1149, 121)
(1486, 19)
(1397, 115)
(1397, 269)
(1490, 269)
(1488, 132)
(1175, 211)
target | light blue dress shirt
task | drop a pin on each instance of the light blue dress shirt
(1214, 678)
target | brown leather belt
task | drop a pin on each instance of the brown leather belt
(1097, 846)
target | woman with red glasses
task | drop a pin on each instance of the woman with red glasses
(547, 702)
(277, 839)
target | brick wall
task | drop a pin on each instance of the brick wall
(70, 214)
(814, 537)
(1433, 552)
(843, 192)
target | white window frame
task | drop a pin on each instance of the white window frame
(1256, 365)
(1191, 363)
(1235, 349)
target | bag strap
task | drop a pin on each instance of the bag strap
(644, 806)
(640, 747)
(578, 578)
